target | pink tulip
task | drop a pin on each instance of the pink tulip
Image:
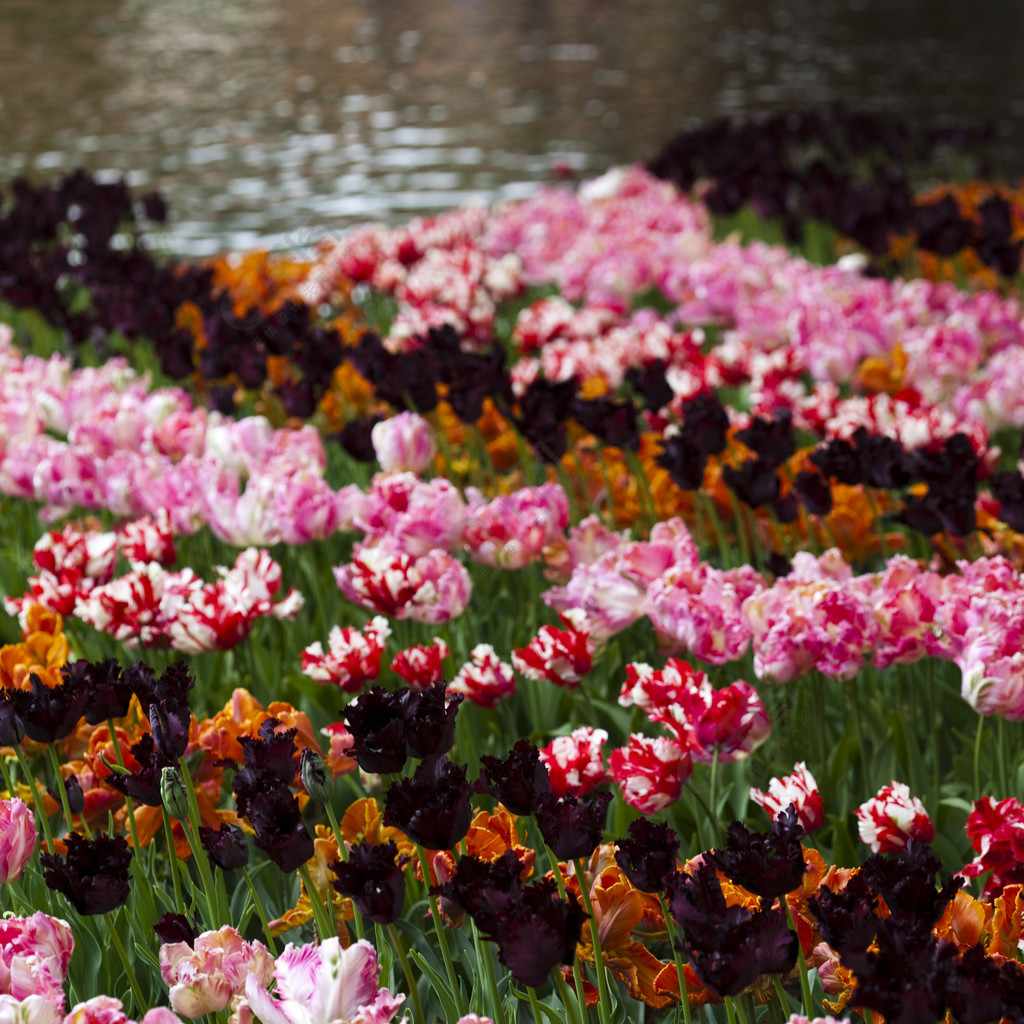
(404, 444)
(324, 984)
(107, 1010)
(206, 976)
(34, 956)
(17, 838)
(30, 1010)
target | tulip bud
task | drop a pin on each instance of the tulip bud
(315, 776)
(172, 793)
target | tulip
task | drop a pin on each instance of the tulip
(17, 838)
(404, 444)
(207, 975)
(324, 984)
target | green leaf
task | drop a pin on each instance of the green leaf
(957, 802)
(552, 1015)
(439, 984)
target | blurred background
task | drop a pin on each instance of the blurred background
(271, 122)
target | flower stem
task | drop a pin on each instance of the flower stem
(271, 944)
(128, 802)
(8, 781)
(190, 826)
(977, 755)
(684, 995)
(133, 982)
(577, 974)
(414, 995)
(322, 916)
(781, 993)
(173, 861)
(805, 985)
(357, 918)
(604, 998)
(442, 939)
(37, 798)
(63, 791)
(535, 1005)
(484, 957)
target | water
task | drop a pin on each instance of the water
(270, 122)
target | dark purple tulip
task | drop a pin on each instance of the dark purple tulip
(269, 759)
(94, 875)
(907, 884)
(1008, 489)
(226, 846)
(433, 807)
(355, 438)
(612, 422)
(108, 693)
(705, 422)
(729, 947)
(543, 410)
(769, 864)
(278, 827)
(840, 460)
(537, 932)
(12, 728)
(298, 398)
(373, 879)
(142, 784)
(48, 713)
(648, 855)
(650, 384)
(520, 782)
(685, 459)
(847, 919)
(908, 976)
(886, 463)
(154, 206)
(76, 798)
(375, 720)
(177, 928)
(169, 725)
(814, 492)
(755, 482)
(772, 440)
(429, 719)
(572, 827)
(483, 889)
(975, 988)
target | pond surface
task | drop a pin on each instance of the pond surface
(274, 121)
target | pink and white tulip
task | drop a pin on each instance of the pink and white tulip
(17, 838)
(210, 975)
(404, 444)
(324, 984)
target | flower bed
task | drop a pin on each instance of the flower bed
(545, 612)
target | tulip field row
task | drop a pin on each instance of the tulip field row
(564, 610)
